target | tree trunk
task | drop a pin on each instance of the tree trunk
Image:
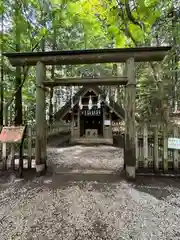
(18, 96)
(52, 77)
(2, 71)
(43, 22)
(175, 60)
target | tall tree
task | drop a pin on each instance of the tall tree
(18, 96)
(174, 16)
(54, 26)
(2, 65)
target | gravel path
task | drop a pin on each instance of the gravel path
(51, 207)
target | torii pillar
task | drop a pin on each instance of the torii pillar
(40, 148)
(130, 127)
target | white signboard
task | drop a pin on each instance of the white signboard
(174, 143)
(107, 122)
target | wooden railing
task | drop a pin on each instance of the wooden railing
(9, 153)
(152, 152)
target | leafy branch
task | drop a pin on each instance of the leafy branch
(25, 73)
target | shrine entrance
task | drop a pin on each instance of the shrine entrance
(91, 119)
(91, 126)
(91, 56)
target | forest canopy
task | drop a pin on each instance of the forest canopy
(33, 25)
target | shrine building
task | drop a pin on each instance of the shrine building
(92, 116)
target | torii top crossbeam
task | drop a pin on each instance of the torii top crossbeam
(73, 57)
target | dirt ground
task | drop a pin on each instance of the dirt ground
(84, 196)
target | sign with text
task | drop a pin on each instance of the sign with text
(107, 122)
(12, 134)
(174, 143)
(93, 112)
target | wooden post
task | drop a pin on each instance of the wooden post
(78, 122)
(165, 148)
(145, 146)
(40, 149)
(51, 106)
(72, 124)
(4, 145)
(103, 118)
(13, 156)
(137, 149)
(29, 146)
(156, 151)
(110, 127)
(130, 127)
(176, 152)
(165, 139)
(21, 160)
(10, 115)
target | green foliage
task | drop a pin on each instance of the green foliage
(92, 24)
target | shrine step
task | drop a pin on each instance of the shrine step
(92, 141)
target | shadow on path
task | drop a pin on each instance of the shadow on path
(159, 187)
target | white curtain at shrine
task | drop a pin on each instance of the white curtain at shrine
(80, 103)
(115, 95)
(99, 101)
(107, 98)
(90, 105)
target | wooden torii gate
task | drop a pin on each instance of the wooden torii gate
(127, 55)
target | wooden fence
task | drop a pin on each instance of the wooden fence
(9, 153)
(152, 152)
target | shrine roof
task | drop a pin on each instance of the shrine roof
(117, 109)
